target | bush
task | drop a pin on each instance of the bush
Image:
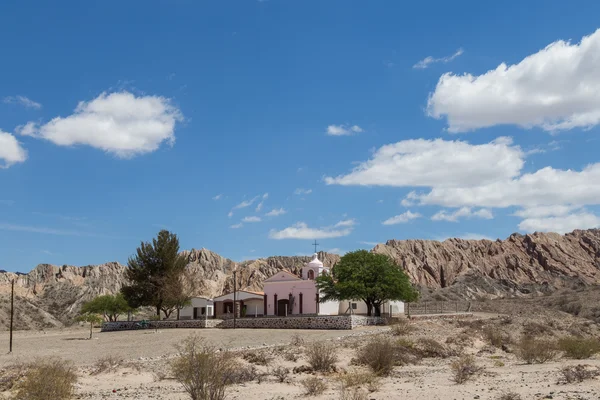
(509, 396)
(496, 337)
(321, 356)
(314, 386)
(536, 329)
(357, 378)
(430, 348)
(379, 354)
(536, 351)
(106, 364)
(353, 394)
(259, 357)
(243, 374)
(402, 327)
(579, 348)
(48, 379)
(464, 369)
(202, 370)
(281, 373)
(577, 373)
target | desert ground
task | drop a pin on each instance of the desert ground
(135, 364)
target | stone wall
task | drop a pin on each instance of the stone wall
(311, 322)
(344, 322)
(169, 324)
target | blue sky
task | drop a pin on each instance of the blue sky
(351, 122)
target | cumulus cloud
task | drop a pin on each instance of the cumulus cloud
(119, 123)
(561, 223)
(23, 101)
(427, 61)
(343, 130)
(346, 222)
(276, 212)
(11, 151)
(464, 212)
(402, 218)
(556, 88)
(218, 197)
(251, 219)
(438, 162)
(237, 226)
(301, 230)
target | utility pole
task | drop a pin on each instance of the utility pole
(12, 313)
(234, 298)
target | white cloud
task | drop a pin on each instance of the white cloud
(464, 212)
(251, 219)
(265, 196)
(545, 187)
(427, 61)
(561, 223)
(436, 162)
(22, 100)
(337, 251)
(402, 218)
(475, 236)
(11, 151)
(259, 206)
(237, 226)
(245, 203)
(369, 243)
(276, 212)
(544, 211)
(119, 123)
(557, 88)
(230, 214)
(343, 130)
(218, 197)
(301, 230)
(301, 191)
(346, 222)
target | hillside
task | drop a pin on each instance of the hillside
(518, 266)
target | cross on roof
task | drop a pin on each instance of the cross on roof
(315, 244)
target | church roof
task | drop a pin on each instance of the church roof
(281, 273)
(315, 262)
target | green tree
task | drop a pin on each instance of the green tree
(155, 274)
(92, 319)
(373, 278)
(110, 306)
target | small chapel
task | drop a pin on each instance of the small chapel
(287, 294)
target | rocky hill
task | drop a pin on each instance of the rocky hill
(518, 266)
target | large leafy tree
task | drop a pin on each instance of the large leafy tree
(110, 306)
(155, 275)
(373, 278)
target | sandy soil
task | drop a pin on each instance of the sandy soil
(143, 372)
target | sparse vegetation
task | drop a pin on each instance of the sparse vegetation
(430, 348)
(577, 373)
(107, 364)
(379, 354)
(464, 369)
(258, 357)
(203, 372)
(578, 347)
(245, 373)
(91, 319)
(322, 356)
(353, 394)
(535, 329)
(47, 379)
(509, 396)
(536, 351)
(281, 373)
(359, 378)
(496, 337)
(314, 386)
(402, 327)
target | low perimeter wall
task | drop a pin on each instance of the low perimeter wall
(133, 325)
(306, 322)
(313, 322)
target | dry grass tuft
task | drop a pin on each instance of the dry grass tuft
(496, 337)
(258, 357)
(379, 354)
(314, 386)
(322, 356)
(47, 379)
(107, 364)
(203, 372)
(577, 373)
(509, 396)
(536, 351)
(464, 369)
(281, 373)
(353, 394)
(360, 379)
(402, 327)
(578, 347)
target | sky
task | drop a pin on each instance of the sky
(252, 128)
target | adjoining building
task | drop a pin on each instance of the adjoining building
(249, 304)
(199, 308)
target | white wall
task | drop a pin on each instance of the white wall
(254, 307)
(329, 308)
(199, 302)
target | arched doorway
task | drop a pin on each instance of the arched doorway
(282, 307)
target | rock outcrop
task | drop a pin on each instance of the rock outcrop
(541, 262)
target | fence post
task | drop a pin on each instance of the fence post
(442, 307)
(456, 306)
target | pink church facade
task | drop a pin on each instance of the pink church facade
(287, 294)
